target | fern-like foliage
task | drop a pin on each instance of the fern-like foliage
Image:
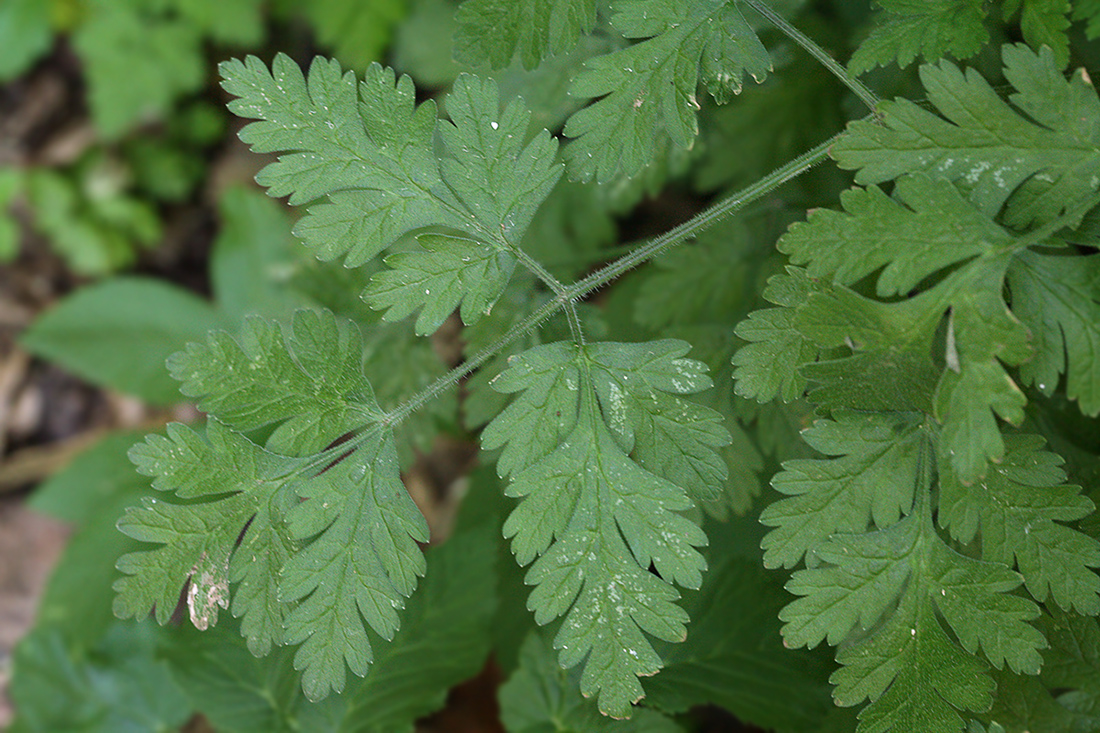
(647, 92)
(321, 546)
(605, 456)
(911, 322)
(366, 151)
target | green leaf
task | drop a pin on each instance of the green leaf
(362, 560)
(371, 157)
(250, 255)
(310, 381)
(931, 29)
(499, 175)
(95, 477)
(237, 23)
(118, 686)
(374, 163)
(443, 640)
(318, 545)
(1043, 23)
(871, 479)
(1018, 506)
(1038, 155)
(123, 93)
(25, 35)
(439, 274)
(541, 697)
(647, 91)
(497, 30)
(904, 241)
(593, 514)
(910, 614)
(96, 234)
(1088, 11)
(238, 482)
(1058, 299)
(767, 367)
(120, 332)
(737, 661)
(357, 33)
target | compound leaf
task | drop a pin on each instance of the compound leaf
(594, 514)
(498, 177)
(370, 158)
(369, 152)
(238, 481)
(646, 92)
(320, 544)
(926, 226)
(1042, 162)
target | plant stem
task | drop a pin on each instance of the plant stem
(567, 296)
(703, 220)
(859, 88)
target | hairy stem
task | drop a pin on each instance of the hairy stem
(568, 296)
(858, 88)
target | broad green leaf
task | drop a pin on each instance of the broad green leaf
(646, 92)
(78, 599)
(94, 477)
(1039, 154)
(137, 61)
(497, 30)
(119, 333)
(25, 34)
(1018, 506)
(931, 29)
(118, 686)
(592, 513)
(234, 690)
(251, 254)
(737, 660)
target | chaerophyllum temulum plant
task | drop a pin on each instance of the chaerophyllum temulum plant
(928, 333)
